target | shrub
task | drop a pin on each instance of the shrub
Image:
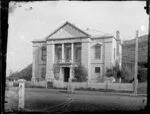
(50, 84)
(109, 72)
(15, 84)
(80, 74)
(142, 74)
(127, 73)
(114, 72)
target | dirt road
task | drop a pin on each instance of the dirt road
(60, 101)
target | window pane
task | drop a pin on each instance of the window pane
(68, 53)
(43, 53)
(97, 52)
(59, 53)
(78, 53)
(97, 69)
(43, 73)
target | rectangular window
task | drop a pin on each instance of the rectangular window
(97, 52)
(43, 53)
(97, 69)
(78, 54)
(59, 53)
(43, 73)
(68, 53)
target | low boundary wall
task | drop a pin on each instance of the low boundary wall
(105, 85)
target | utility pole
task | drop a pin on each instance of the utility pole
(136, 64)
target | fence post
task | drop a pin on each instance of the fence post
(136, 64)
(21, 94)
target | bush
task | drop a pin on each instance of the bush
(127, 73)
(80, 74)
(109, 72)
(142, 74)
(15, 84)
(50, 84)
(114, 72)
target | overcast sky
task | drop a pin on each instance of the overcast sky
(36, 20)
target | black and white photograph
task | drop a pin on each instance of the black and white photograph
(76, 56)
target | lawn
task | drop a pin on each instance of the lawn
(56, 100)
(142, 88)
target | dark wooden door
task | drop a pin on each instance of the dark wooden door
(66, 74)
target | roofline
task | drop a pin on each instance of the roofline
(40, 41)
(96, 37)
(79, 29)
(63, 26)
(72, 38)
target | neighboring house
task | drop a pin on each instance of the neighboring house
(56, 56)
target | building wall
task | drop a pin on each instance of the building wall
(85, 56)
(37, 61)
(114, 57)
(96, 77)
(108, 54)
(95, 62)
(50, 61)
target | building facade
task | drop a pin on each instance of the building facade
(68, 47)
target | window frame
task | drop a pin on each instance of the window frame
(43, 57)
(78, 53)
(97, 56)
(97, 69)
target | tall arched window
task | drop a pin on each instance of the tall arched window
(97, 51)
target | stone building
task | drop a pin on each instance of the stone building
(56, 56)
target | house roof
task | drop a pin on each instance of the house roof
(96, 33)
(70, 29)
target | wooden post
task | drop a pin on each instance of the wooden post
(21, 94)
(136, 64)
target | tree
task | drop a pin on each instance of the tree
(127, 72)
(80, 74)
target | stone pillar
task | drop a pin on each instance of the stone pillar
(35, 59)
(21, 93)
(136, 65)
(63, 53)
(50, 61)
(71, 73)
(72, 52)
(89, 61)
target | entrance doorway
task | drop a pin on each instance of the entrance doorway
(66, 74)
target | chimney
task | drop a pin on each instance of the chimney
(118, 41)
(117, 35)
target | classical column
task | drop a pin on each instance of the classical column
(62, 52)
(72, 52)
(35, 65)
(89, 61)
(71, 73)
(50, 61)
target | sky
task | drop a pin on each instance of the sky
(36, 20)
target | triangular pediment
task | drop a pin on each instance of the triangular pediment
(67, 30)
